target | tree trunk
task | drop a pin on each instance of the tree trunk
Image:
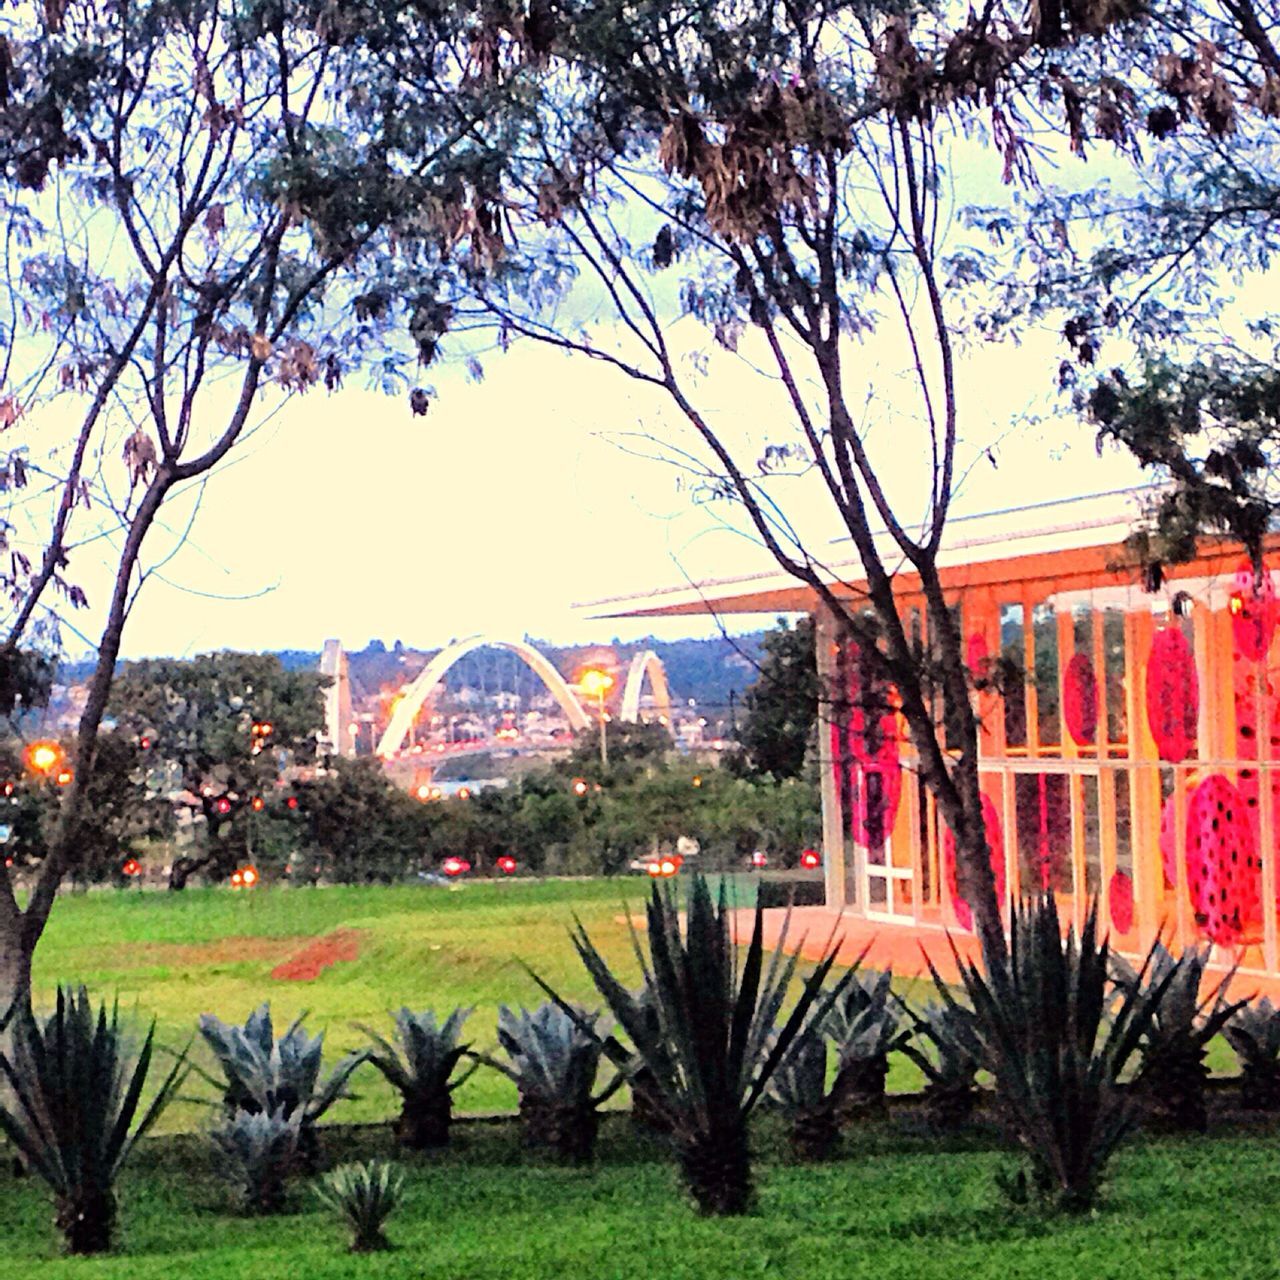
(15, 988)
(182, 870)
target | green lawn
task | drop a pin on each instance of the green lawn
(175, 956)
(898, 1206)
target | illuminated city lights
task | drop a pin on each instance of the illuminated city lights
(44, 757)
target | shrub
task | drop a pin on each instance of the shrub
(554, 1058)
(1041, 1019)
(864, 1029)
(1174, 1047)
(76, 1085)
(713, 1049)
(259, 1150)
(421, 1066)
(949, 1060)
(1254, 1034)
(364, 1196)
(265, 1074)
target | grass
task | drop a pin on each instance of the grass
(899, 1205)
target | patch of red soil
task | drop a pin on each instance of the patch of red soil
(308, 964)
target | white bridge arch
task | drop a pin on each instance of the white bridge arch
(435, 671)
(338, 714)
(647, 663)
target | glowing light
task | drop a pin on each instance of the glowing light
(506, 864)
(64, 777)
(666, 867)
(579, 786)
(44, 757)
(256, 804)
(292, 802)
(1236, 603)
(132, 867)
(455, 866)
(759, 858)
(654, 869)
(810, 858)
(464, 793)
(697, 781)
(423, 792)
(249, 877)
(595, 683)
(223, 805)
(236, 879)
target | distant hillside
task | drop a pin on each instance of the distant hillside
(708, 671)
(705, 670)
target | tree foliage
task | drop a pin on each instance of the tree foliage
(781, 707)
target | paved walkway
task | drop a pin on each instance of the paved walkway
(899, 947)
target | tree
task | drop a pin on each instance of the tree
(124, 811)
(781, 707)
(786, 180)
(197, 227)
(225, 726)
(356, 828)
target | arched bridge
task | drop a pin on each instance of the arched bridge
(338, 709)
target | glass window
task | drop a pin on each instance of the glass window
(1048, 719)
(1012, 674)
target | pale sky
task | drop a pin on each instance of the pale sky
(516, 497)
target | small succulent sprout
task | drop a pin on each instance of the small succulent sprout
(364, 1196)
(258, 1151)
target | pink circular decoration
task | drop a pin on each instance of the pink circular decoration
(1080, 699)
(869, 753)
(995, 843)
(976, 654)
(1173, 695)
(1253, 612)
(1223, 871)
(1120, 899)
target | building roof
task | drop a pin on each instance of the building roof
(1077, 542)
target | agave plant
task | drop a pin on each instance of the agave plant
(75, 1083)
(364, 1196)
(422, 1066)
(1041, 1019)
(259, 1150)
(799, 1088)
(1173, 1071)
(865, 1029)
(553, 1055)
(1254, 1034)
(716, 1042)
(949, 1060)
(265, 1074)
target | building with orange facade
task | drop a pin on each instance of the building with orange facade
(1130, 739)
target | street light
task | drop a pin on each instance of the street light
(595, 684)
(44, 757)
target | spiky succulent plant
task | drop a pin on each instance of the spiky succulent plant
(864, 1029)
(75, 1082)
(1254, 1034)
(553, 1056)
(422, 1065)
(946, 1048)
(718, 1037)
(364, 1196)
(258, 1151)
(263, 1073)
(1173, 1069)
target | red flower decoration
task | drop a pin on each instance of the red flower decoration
(995, 843)
(1080, 699)
(1120, 899)
(1173, 695)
